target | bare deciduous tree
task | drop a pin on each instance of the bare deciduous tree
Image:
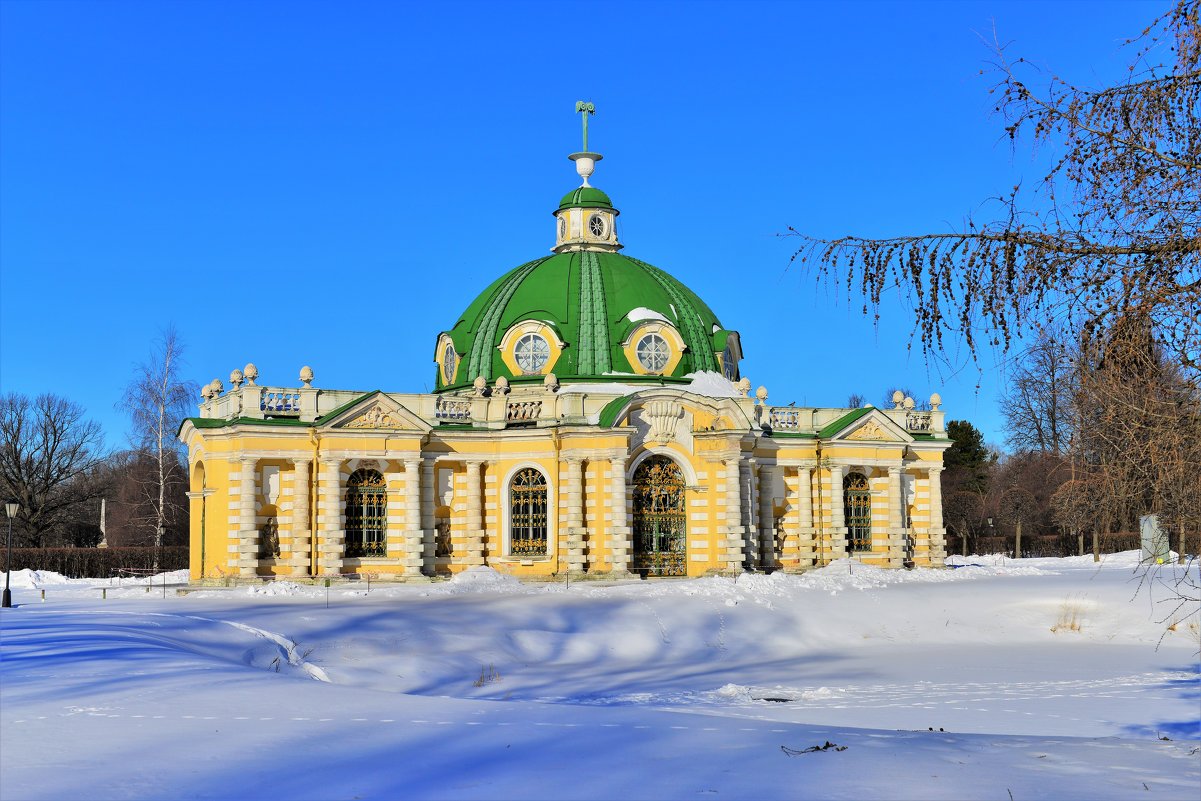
(156, 401)
(1115, 228)
(47, 449)
(1037, 400)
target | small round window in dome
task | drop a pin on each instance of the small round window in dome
(653, 352)
(531, 353)
(596, 224)
(449, 360)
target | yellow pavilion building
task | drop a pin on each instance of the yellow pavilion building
(589, 420)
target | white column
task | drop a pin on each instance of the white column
(896, 529)
(474, 542)
(302, 533)
(248, 534)
(619, 529)
(734, 529)
(836, 547)
(767, 520)
(574, 498)
(414, 538)
(428, 506)
(750, 544)
(806, 552)
(937, 533)
(332, 536)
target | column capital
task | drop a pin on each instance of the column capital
(302, 461)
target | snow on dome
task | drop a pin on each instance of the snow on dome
(711, 385)
(641, 313)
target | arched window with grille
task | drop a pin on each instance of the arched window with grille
(857, 510)
(527, 513)
(366, 514)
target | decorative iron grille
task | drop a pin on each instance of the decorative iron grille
(366, 514)
(660, 518)
(527, 499)
(857, 510)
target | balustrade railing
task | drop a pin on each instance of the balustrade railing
(280, 402)
(519, 411)
(919, 421)
(450, 410)
(784, 419)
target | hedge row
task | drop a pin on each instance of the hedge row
(97, 562)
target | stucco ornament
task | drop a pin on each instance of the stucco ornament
(306, 375)
(909, 404)
(936, 401)
(870, 430)
(375, 417)
(251, 372)
(235, 378)
(744, 386)
(480, 385)
(761, 394)
(502, 385)
(898, 399)
(206, 392)
(216, 386)
(662, 415)
(551, 382)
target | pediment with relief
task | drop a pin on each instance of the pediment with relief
(875, 427)
(379, 413)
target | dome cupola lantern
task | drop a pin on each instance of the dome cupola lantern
(586, 219)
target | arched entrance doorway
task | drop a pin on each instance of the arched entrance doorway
(660, 518)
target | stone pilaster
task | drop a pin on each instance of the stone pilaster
(806, 547)
(837, 544)
(427, 508)
(248, 533)
(331, 534)
(574, 500)
(302, 531)
(734, 530)
(748, 513)
(769, 559)
(414, 538)
(474, 541)
(619, 528)
(937, 532)
(896, 518)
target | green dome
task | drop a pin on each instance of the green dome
(585, 197)
(593, 300)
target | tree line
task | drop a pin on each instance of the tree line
(55, 464)
(1088, 283)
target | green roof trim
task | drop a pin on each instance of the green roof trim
(838, 425)
(792, 435)
(585, 197)
(608, 415)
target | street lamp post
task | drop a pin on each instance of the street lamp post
(11, 508)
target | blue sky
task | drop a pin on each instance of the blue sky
(331, 183)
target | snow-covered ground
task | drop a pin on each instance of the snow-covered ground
(1044, 678)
